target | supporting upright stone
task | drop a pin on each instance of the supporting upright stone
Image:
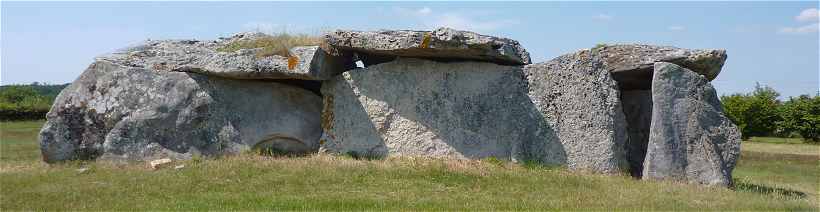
(120, 109)
(690, 137)
(426, 108)
(579, 101)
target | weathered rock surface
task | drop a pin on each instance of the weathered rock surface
(304, 62)
(422, 107)
(578, 100)
(120, 111)
(632, 64)
(690, 137)
(442, 44)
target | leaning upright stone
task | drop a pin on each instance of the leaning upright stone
(578, 99)
(690, 137)
(441, 44)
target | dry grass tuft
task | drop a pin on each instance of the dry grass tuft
(274, 44)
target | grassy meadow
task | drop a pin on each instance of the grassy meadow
(771, 175)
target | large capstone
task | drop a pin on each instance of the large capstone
(632, 64)
(118, 111)
(579, 101)
(427, 108)
(442, 44)
(690, 139)
(206, 57)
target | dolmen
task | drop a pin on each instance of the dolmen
(647, 111)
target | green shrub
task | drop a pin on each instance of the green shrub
(16, 93)
(27, 102)
(756, 113)
(801, 115)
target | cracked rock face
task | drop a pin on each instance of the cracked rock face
(690, 137)
(121, 112)
(632, 64)
(441, 44)
(580, 104)
(303, 62)
(426, 108)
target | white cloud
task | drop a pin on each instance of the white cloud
(676, 28)
(810, 14)
(424, 11)
(603, 17)
(428, 18)
(811, 28)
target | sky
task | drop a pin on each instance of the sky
(771, 43)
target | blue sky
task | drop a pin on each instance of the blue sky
(774, 43)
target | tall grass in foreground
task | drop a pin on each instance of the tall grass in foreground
(323, 182)
(278, 44)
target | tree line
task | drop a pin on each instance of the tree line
(759, 113)
(27, 102)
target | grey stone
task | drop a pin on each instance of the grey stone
(441, 44)
(632, 64)
(303, 62)
(426, 108)
(690, 137)
(579, 101)
(117, 111)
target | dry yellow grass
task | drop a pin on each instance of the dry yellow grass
(274, 44)
(781, 146)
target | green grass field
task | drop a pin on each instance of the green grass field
(771, 176)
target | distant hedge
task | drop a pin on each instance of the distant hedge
(27, 102)
(760, 113)
(16, 115)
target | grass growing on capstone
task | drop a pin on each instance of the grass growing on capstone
(322, 182)
(273, 44)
